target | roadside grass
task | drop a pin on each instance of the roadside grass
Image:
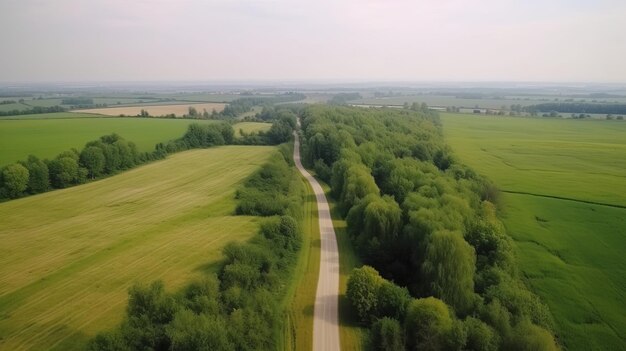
(68, 256)
(298, 331)
(570, 251)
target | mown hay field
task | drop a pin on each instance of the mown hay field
(155, 110)
(68, 256)
(563, 203)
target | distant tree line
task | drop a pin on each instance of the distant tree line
(575, 107)
(34, 110)
(343, 98)
(77, 101)
(240, 307)
(441, 274)
(243, 105)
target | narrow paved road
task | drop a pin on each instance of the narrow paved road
(326, 319)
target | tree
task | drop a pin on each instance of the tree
(392, 301)
(149, 311)
(112, 159)
(189, 331)
(39, 178)
(449, 269)
(63, 172)
(387, 335)
(193, 112)
(93, 159)
(480, 336)
(362, 291)
(428, 323)
(358, 183)
(15, 179)
(529, 337)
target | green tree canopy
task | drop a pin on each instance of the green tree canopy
(449, 268)
(15, 179)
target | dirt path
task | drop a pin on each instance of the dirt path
(326, 319)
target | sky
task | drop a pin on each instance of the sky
(318, 40)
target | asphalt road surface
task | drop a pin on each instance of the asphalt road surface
(326, 319)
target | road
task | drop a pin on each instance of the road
(326, 318)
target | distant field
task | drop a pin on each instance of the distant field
(14, 106)
(570, 251)
(155, 110)
(249, 127)
(55, 115)
(46, 138)
(68, 257)
(441, 100)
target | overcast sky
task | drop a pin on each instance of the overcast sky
(351, 40)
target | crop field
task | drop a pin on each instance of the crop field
(442, 100)
(563, 183)
(53, 115)
(46, 138)
(68, 256)
(250, 127)
(13, 106)
(155, 110)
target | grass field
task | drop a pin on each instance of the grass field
(250, 127)
(46, 138)
(563, 203)
(298, 331)
(16, 106)
(68, 257)
(155, 110)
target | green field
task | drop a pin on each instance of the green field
(46, 138)
(68, 256)
(250, 127)
(486, 102)
(563, 202)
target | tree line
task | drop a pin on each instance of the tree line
(111, 154)
(34, 110)
(578, 107)
(99, 158)
(441, 272)
(240, 307)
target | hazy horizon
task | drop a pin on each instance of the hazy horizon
(450, 41)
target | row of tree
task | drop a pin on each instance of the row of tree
(33, 110)
(112, 153)
(237, 309)
(107, 155)
(427, 223)
(578, 107)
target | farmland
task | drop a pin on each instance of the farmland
(251, 127)
(563, 204)
(155, 110)
(48, 137)
(68, 256)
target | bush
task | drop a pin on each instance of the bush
(387, 335)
